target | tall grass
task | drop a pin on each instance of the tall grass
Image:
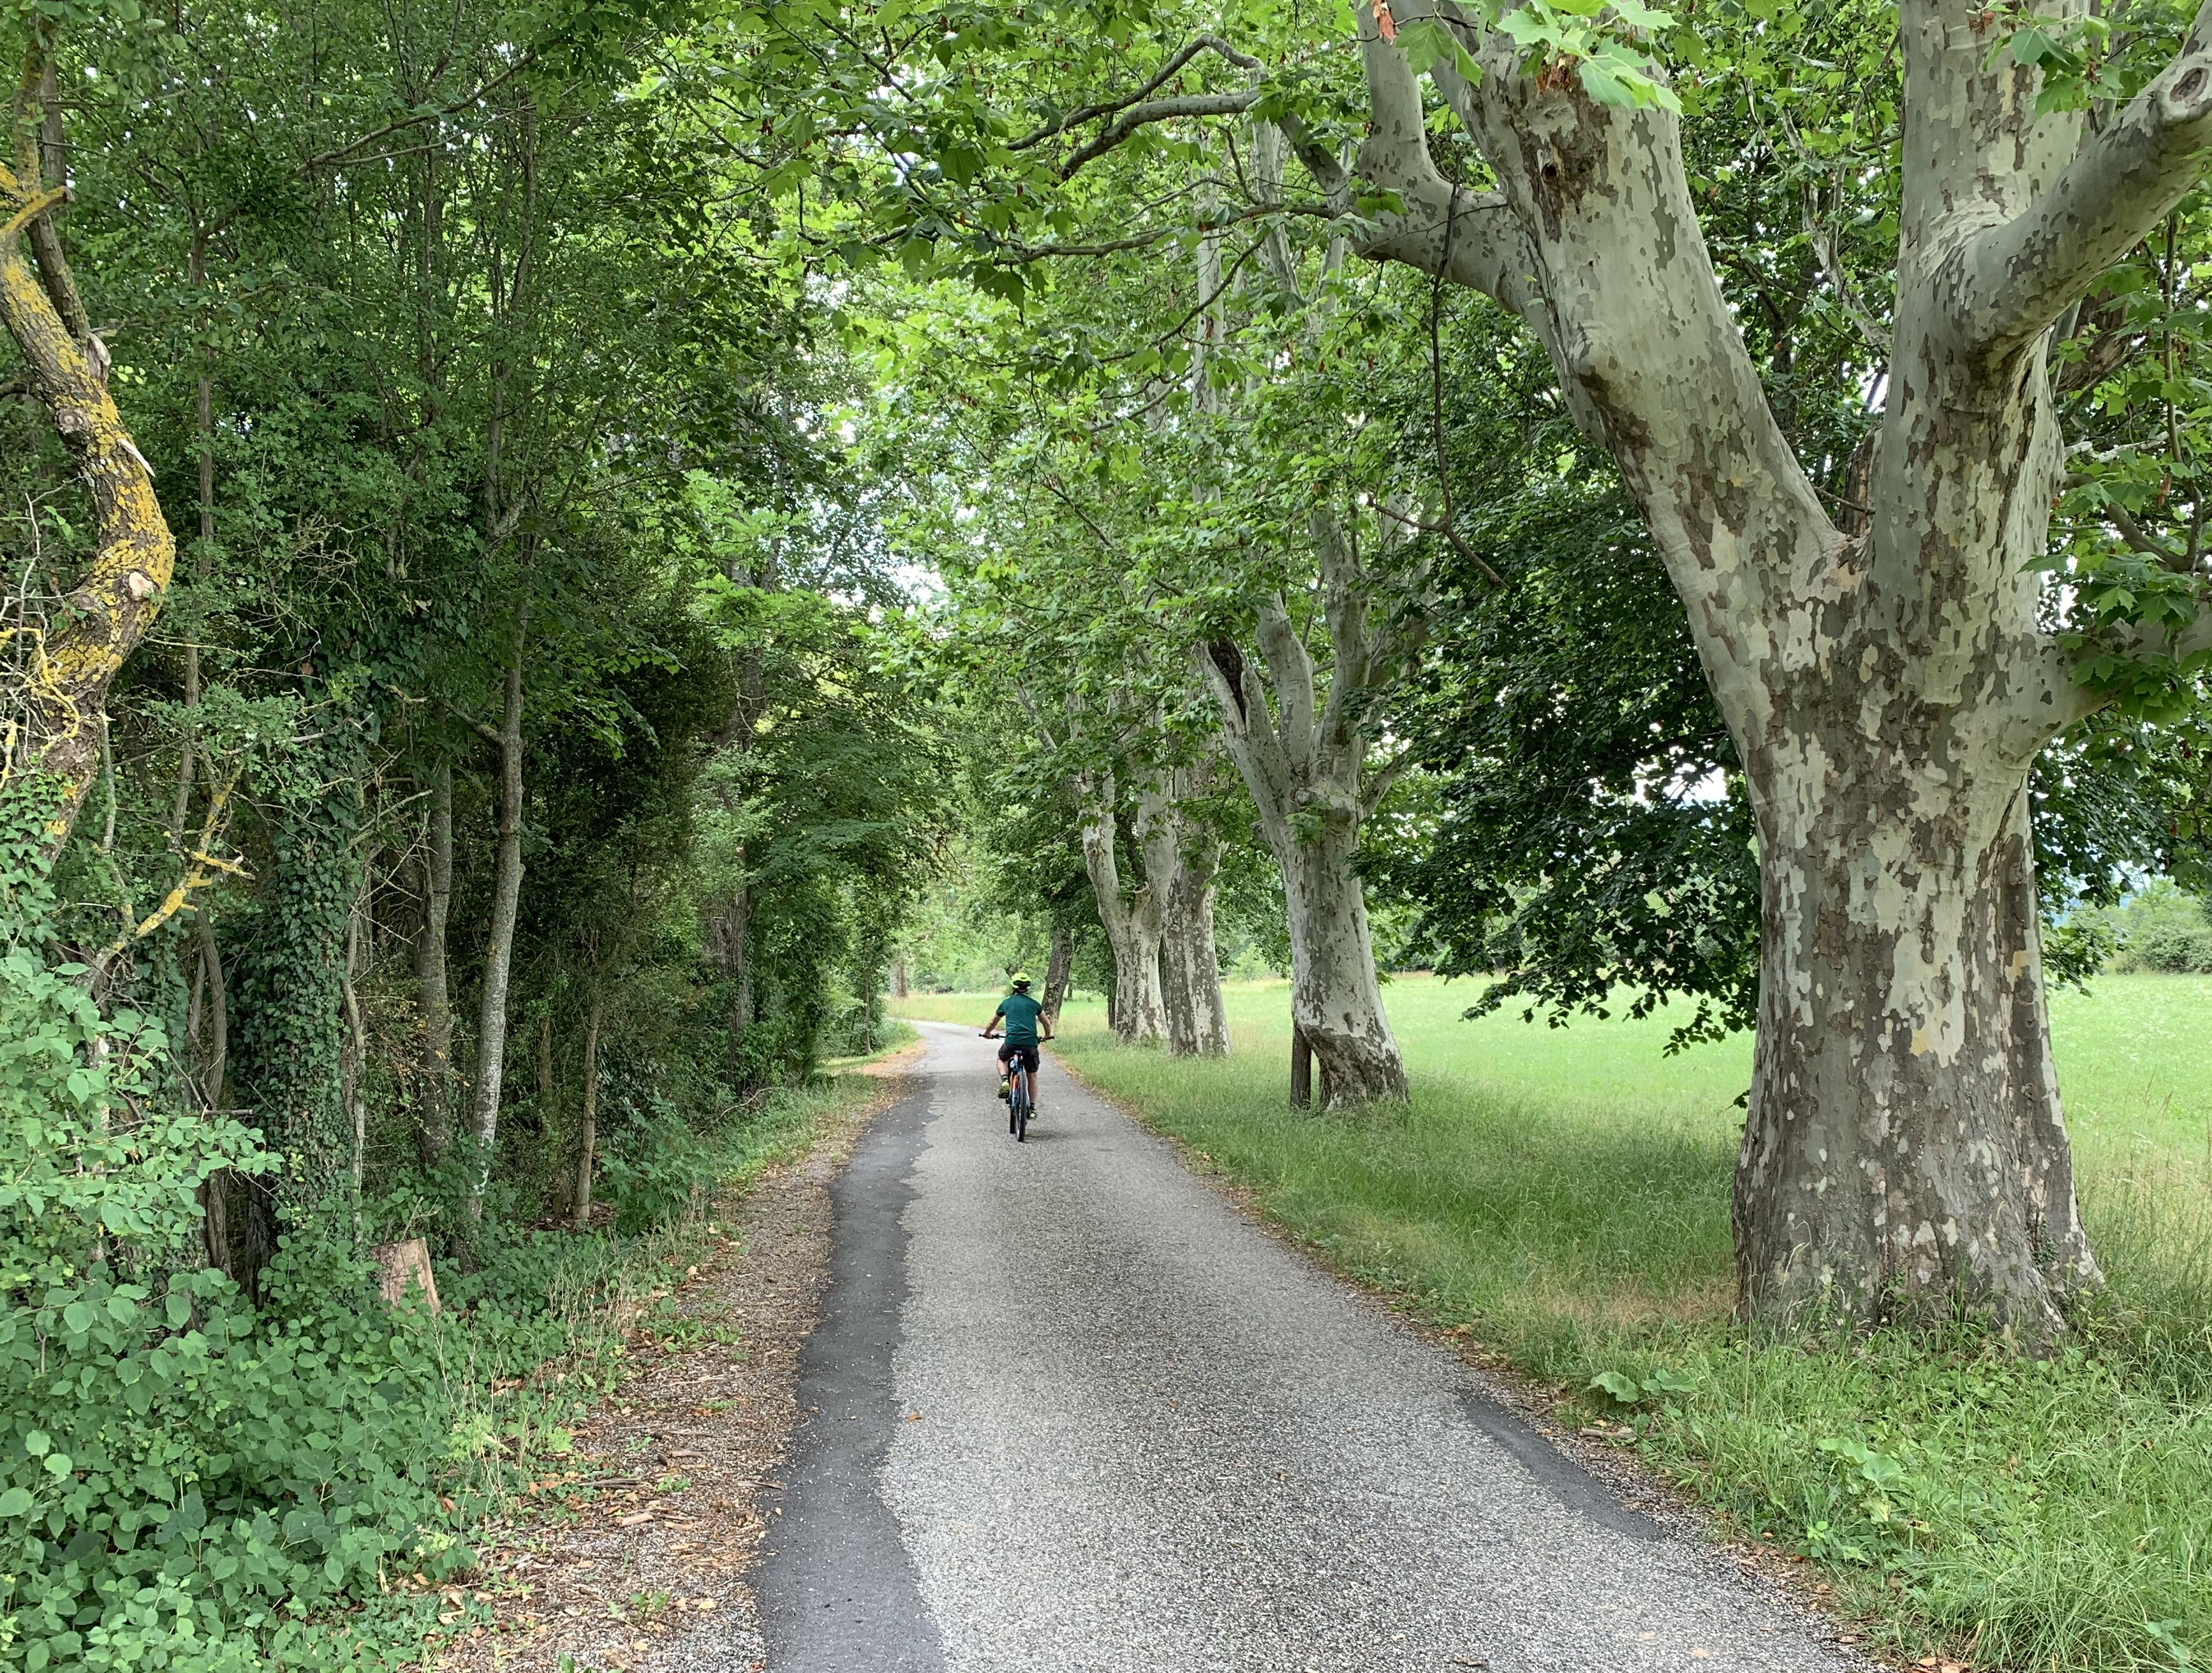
(1563, 1193)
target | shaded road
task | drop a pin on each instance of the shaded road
(1076, 1412)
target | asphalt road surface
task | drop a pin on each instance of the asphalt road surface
(1068, 1409)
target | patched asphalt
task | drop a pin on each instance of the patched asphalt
(1068, 1409)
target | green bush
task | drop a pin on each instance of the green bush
(2164, 930)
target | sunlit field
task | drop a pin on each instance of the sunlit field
(1564, 1192)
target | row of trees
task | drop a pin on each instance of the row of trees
(1813, 477)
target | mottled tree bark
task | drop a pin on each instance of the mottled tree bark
(1303, 759)
(1132, 926)
(1887, 689)
(1181, 862)
(79, 652)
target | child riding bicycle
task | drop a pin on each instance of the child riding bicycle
(1023, 1017)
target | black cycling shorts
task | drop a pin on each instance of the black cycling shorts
(1027, 1054)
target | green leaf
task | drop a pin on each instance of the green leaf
(1427, 43)
(17, 1501)
(1620, 1386)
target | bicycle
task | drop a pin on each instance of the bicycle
(1020, 1096)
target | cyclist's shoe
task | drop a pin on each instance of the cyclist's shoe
(1002, 1092)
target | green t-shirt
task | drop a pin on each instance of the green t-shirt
(1020, 1013)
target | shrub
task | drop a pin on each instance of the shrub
(190, 1481)
(2163, 930)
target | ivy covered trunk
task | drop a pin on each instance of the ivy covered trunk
(1889, 689)
(290, 1032)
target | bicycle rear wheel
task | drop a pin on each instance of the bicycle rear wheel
(1018, 1107)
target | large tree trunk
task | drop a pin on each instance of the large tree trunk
(1888, 691)
(1336, 999)
(1905, 1147)
(1059, 966)
(1304, 760)
(1180, 865)
(1132, 926)
(499, 950)
(433, 994)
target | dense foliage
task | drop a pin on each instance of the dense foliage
(521, 627)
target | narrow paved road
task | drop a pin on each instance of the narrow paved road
(1068, 1409)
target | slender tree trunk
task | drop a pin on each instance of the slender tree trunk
(545, 1063)
(738, 934)
(507, 894)
(214, 1061)
(223, 1187)
(899, 977)
(433, 993)
(351, 1097)
(588, 1123)
(1059, 963)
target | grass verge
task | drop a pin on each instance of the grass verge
(1563, 1195)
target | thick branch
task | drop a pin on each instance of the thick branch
(1344, 605)
(2014, 279)
(1245, 730)
(110, 610)
(2137, 536)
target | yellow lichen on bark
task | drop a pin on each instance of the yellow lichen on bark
(108, 612)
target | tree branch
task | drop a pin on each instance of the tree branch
(1076, 118)
(338, 153)
(110, 610)
(2016, 278)
(1291, 672)
(2135, 534)
(1159, 110)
